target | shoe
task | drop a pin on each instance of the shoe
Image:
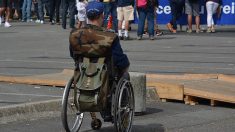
(139, 37)
(7, 24)
(174, 31)
(57, 23)
(208, 30)
(213, 30)
(37, 21)
(126, 38)
(199, 31)
(159, 33)
(145, 33)
(29, 20)
(120, 37)
(151, 37)
(52, 22)
(42, 22)
(189, 31)
(169, 26)
(0, 20)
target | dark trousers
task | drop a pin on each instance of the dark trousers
(68, 5)
(177, 7)
(55, 10)
(111, 8)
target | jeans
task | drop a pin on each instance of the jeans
(176, 11)
(68, 4)
(211, 8)
(55, 8)
(111, 7)
(26, 10)
(143, 13)
(41, 10)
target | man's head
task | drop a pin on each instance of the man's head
(95, 11)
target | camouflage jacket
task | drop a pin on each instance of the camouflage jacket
(93, 41)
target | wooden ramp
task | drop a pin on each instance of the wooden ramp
(188, 87)
(191, 88)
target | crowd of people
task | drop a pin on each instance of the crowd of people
(120, 13)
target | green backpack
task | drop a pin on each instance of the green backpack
(93, 85)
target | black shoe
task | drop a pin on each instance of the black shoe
(120, 37)
(126, 38)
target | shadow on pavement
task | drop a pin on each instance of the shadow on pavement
(135, 128)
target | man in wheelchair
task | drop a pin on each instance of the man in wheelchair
(100, 64)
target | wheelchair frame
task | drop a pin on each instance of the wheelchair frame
(122, 107)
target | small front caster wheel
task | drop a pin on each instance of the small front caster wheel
(96, 124)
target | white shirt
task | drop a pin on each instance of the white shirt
(81, 7)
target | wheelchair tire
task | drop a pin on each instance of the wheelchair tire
(124, 106)
(70, 115)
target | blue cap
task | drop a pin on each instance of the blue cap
(94, 8)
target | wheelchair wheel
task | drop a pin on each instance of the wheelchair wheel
(123, 106)
(71, 117)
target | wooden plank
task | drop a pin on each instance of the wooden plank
(168, 91)
(226, 78)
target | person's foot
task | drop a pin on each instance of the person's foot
(139, 37)
(159, 33)
(189, 30)
(37, 21)
(151, 37)
(29, 20)
(42, 22)
(120, 37)
(57, 23)
(169, 26)
(0, 20)
(213, 30)
(126, 38)
(52, 22)
(199, 30)
(208, 30)
(7, 24)
(174, 31)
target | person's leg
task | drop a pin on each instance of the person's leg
(142, 16)
(58, 2)
(8, 13)
(52, 10)
(28, 10)
(173, 5)
(214, 9)
(107, 8)
(120, 17)
(72, 13)
(64, 13)
(209, 15)
(150, 18)
(114, 16)
(128, 16)
(24, 10)
(188, 11)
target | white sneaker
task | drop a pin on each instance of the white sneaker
(42, 22)
(37, 21)
(0, 20)
(7, 24)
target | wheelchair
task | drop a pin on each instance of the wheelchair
(121, 107)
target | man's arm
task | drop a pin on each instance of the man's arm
(120, 60)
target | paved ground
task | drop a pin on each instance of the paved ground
(29, 49)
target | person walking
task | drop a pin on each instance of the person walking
(5, 6)
(81, 8)
(176, 12)
(68, 5)
(55, 11)
(125, 12)
(192, 8)
(146, 11)
(110, 8)
(26, 11)
(211, 8)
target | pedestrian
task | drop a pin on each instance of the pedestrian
(192, 8)
(146, 9)
(41, 5)
(5, 6)
(71, 6)
(81, 8)
(110, 8)
(125, 12)
(176, 12)
(55, 11)
(26, 11)
(211, 6)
